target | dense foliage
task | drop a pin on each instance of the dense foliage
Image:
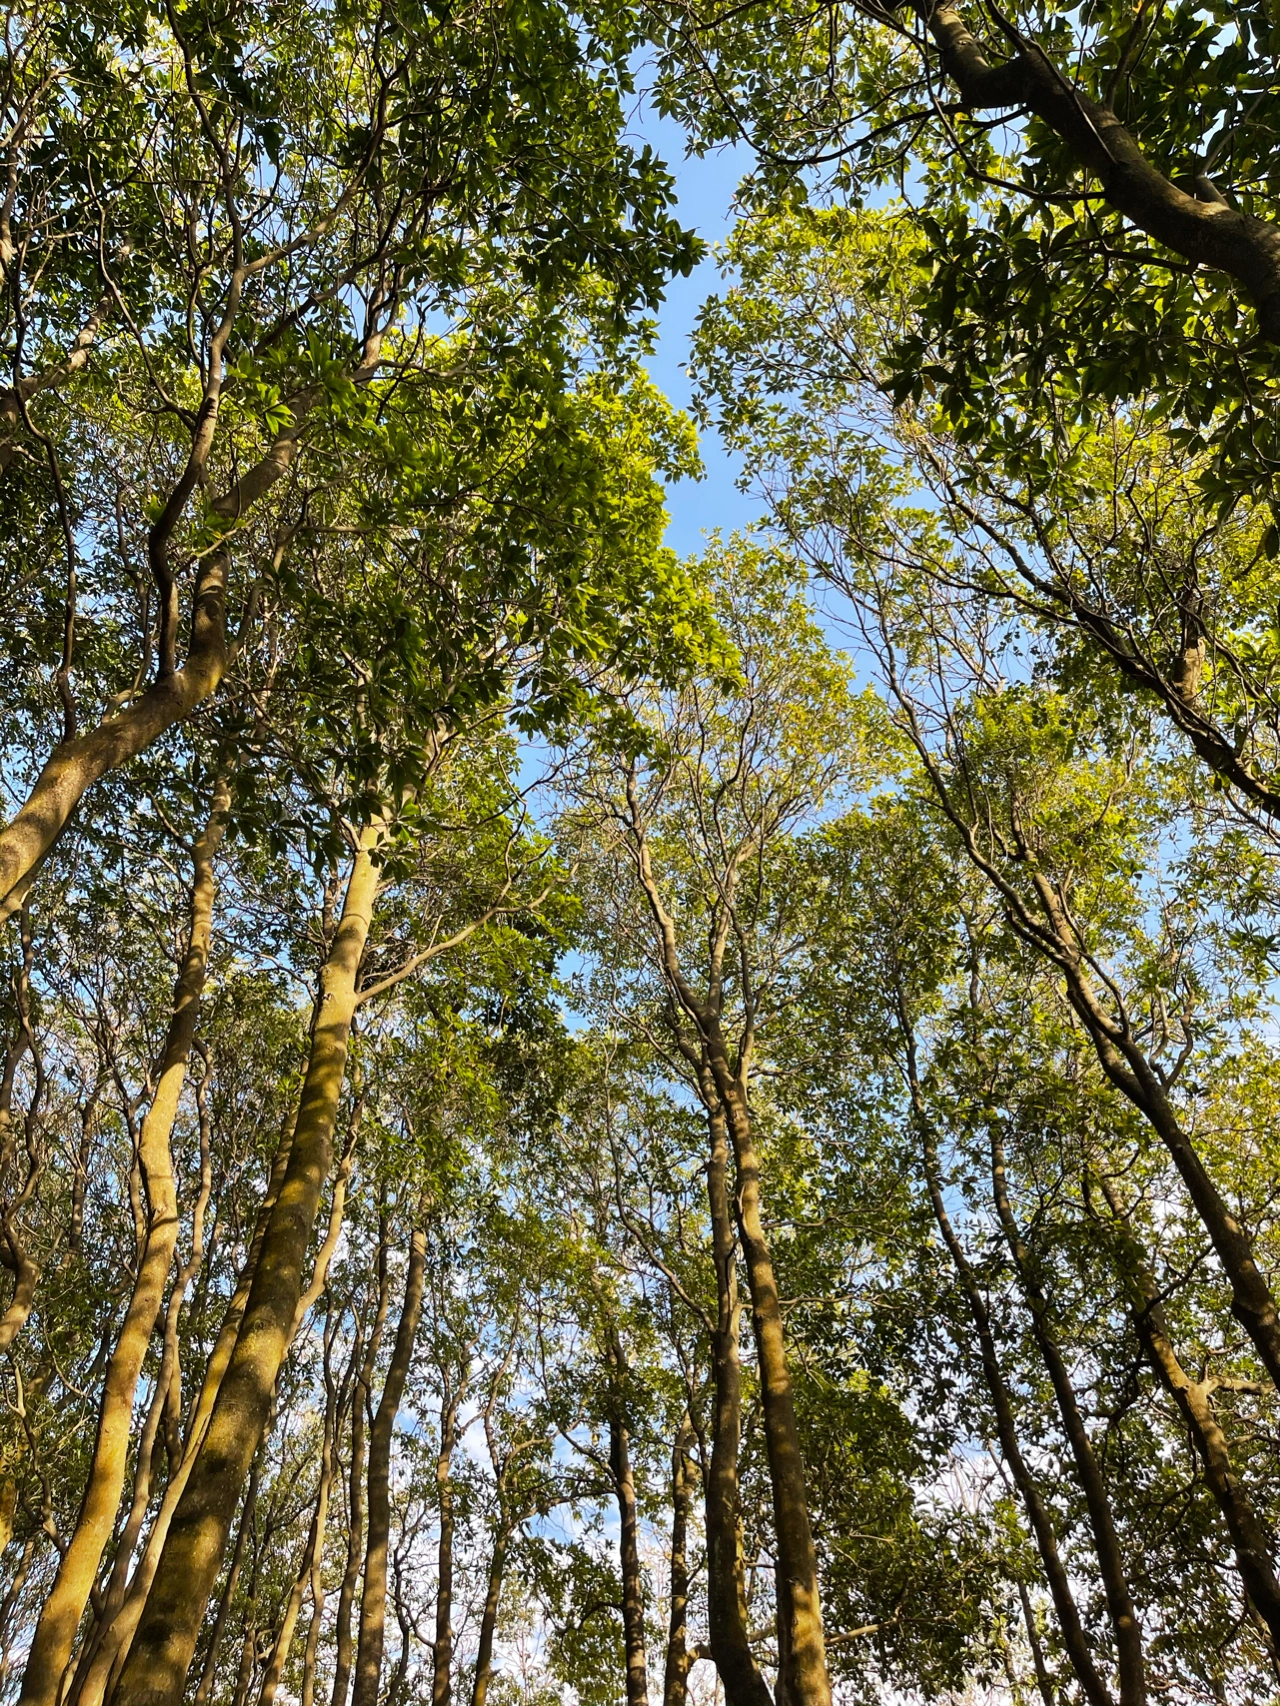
(576, 1126)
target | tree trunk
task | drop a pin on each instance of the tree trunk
(155, 1672)
(126, 1597)
(60, 1618)
(489, 1619)
(343, 1644)
(1073, 1636)
(629, 1549)
(1193, 1398)
(804, 1679)
(373, 1599)
(442, 1647)
(1125, 1628)
(726, 1583)
(75, 765)
(675, 1685)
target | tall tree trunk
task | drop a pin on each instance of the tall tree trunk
(726, 1581)
(204, 1688)
(442, 1647)
(675, 1684)
(126, 1596)
(624, 1487)
(343, 1644)
(373, 1599)
(1125, 1628)
(803, 1678)
(1194, 1399)
(312, 1552)
(155, 1671)
(15, 1252)
(1074, 1640)
(489, 1617)
(60, 1618)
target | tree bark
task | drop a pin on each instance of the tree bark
(1194, 1399)
(804, 1674)
(624, 1488)
(101, 1661)
(489, 1619)
(442, 1646)
(1074, 1641)
(343, 1644)
(726, 1583)
(1125, 1628)
(675, 1684)
(155, 1672)
(373, 1599)
(60, 1617)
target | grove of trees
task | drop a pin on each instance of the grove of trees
(580, 1126)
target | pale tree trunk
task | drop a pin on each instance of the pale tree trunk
(675, 1684)
(1125, 1628)
(154, 1674)
(60, 1618)
(373, 1598)
(204, 1687)
(126, 1596)
(308, 1569)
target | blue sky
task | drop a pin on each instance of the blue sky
(705, 188)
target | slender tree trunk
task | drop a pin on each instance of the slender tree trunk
(442, 1647)
(1125, 1628)
(312, 1552)
(629, 1549)
(344, 1646)
(1073, 1636)
(675, 1685)
(1128, 1068)
(126, 1597)
(15, 1252)
(489, 1617)
(1193, 1397)
(60, 1618)
(804, 1680)
(373, 1599)
(726, 1582)
(155, 1671)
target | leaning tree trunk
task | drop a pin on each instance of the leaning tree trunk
(155, 1671)
(1125, 1628)
(1249, 1538)
(1074, 1639)
(373, 1599)
(126, 1596)
(60, 1618)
